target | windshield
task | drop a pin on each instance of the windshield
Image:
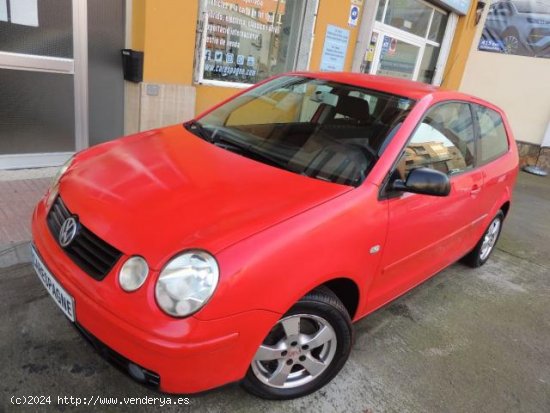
(322, 129)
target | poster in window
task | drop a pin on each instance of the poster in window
(250, 40)
(517, 27)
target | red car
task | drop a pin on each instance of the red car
(241, 246)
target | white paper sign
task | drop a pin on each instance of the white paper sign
(3, 11)
(24, 12)
(334, 49)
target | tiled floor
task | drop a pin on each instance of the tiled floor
(17, 201)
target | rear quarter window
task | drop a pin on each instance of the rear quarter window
(493, 140)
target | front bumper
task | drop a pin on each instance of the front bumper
(188, 355)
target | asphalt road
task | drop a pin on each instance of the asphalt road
(464, 341)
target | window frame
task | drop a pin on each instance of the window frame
(480, 161)
(386, 193)
(444, 45)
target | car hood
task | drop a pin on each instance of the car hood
(163, 191)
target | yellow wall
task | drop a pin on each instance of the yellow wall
(169, 41)
(166, 30)
(463, 38)
(138, 25)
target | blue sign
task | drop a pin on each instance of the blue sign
(353, 15)
(334, 49)
(386, 43)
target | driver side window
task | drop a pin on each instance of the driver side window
(444, 141)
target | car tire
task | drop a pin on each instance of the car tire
(317, 332)
(485, 246)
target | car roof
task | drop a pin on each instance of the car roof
(395, 86)
(392, 85)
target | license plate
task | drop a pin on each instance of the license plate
(61, 297)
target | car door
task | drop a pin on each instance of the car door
(493, 159)
(427, 233)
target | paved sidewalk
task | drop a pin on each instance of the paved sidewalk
(19, 193)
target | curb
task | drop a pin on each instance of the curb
(13, 254)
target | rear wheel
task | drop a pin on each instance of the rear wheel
(304, 351)
(482, 251)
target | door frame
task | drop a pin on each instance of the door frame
(444, 46)
(78, 68)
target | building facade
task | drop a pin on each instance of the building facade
(508, 63)
(64, 80)
(201, 52)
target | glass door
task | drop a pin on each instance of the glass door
(38, 84)
(396, 57)
(408, 39)
(61, 84)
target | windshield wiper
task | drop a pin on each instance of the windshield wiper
(196, 128)
(247, 150)
(233, 145)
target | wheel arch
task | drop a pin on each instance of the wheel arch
(505, 208)
(347, 292)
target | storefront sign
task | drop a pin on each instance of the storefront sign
(518, 28)
(334, 49)
(395, 68)
(249, 40)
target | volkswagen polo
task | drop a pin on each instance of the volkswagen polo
(241, 245)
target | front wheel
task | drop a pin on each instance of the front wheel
(482, 251)
(304, 351)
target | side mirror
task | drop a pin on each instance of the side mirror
(424, 181)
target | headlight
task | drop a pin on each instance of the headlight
(133, 273)
(55, 182)
(186, 283)
(62, 171)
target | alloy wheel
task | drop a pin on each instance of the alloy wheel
(511, 44)
(297, 350)
(490, 239)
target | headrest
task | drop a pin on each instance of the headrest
(353, 107)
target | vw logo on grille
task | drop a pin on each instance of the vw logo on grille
(68, 231)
